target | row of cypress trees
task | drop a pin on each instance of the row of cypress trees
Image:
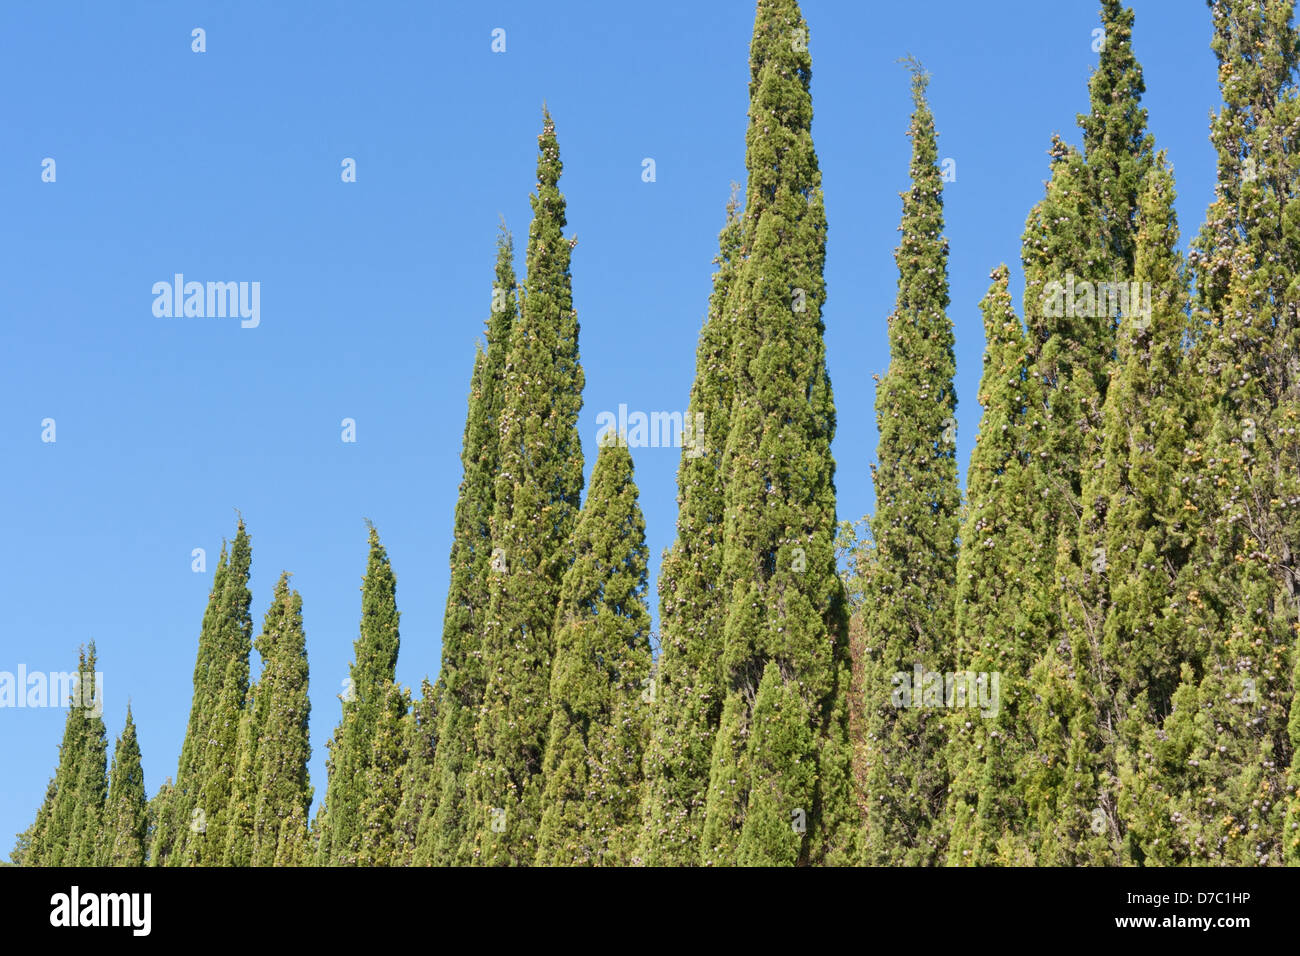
(1124, 561)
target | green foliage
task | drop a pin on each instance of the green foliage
(418, 783)
(785, 601)
(68, 826)
(283, 792)
(997, 556)
(1213, 779)
(445, 836)
(126, 818)
(599, 726)
(537, 493)
(191, 823)
(908, 594)
(369, 722)
(688, 689)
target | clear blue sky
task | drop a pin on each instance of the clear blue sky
(225, 165)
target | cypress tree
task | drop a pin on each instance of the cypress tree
(190, 820)
(1080, 235)
(785, 602)
(382, 781)
(367, 709)
(994, 579)
(126, 819)
(205, 843)
(243, 787)
(1126, 637)
(908, 596)
(598, 731)
(418, 789)
(687, 692)
(537, 494)
(85, 800)
(1098, 190)
(1221, 756)
(74, 801)
(445, 835)
(52, 848)
(283, 794)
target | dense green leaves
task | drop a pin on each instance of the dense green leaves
(908, 592)
(366, 757)
(599, 678)
(537, 495)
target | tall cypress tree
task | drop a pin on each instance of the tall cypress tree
(367, 708)
(446, 836)
(1223, 751)
(686, 700)
(126, 820)
(537, 494)
(1081, 234)
(599, 724)
(908, 595)
(283, 793)
(785, 602)
(1099, 190)
(1126, 637)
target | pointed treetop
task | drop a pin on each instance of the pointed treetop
(920, 77)
(549, 166)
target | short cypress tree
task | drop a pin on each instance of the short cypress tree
(283, 794)
(780, 775)
(67, 825)
(164, 823)
(367, 706)
(538, 490)
(126, 818)
(687, 691)
(908, 594)
(243, 787)
(985, 807)
(445, 836)
(89, 792)
(785, 601)
(418, 788)
(599, 726)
